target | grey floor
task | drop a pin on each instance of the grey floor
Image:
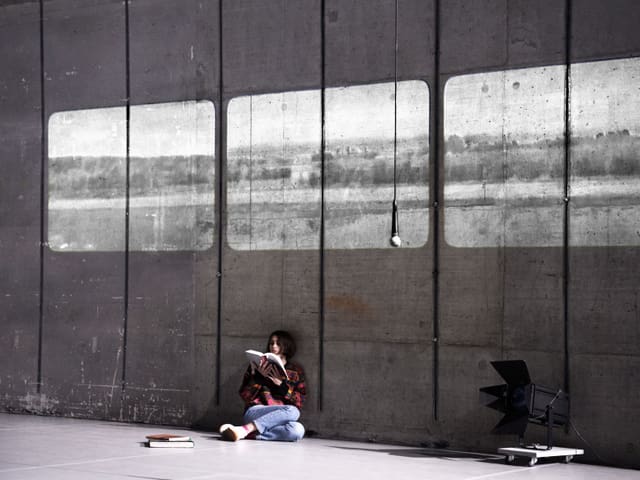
(50, 448)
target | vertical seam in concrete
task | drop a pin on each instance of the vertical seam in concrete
(250, 171)
(502, 249)
(322, 184)
(127, 193)
(436, 211)
(219, 152)
(42, 201)
(567, 165)
(283, 254)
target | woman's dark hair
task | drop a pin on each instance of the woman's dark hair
(285, 341)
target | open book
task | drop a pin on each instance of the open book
(257, 358)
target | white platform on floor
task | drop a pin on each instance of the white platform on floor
(33, 447)
(533, 454)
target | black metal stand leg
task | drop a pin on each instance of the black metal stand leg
(549, 414)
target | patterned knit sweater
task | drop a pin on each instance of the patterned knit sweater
(258, 390)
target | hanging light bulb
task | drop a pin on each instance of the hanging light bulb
(395, 233)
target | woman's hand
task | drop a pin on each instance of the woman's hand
(270, 371)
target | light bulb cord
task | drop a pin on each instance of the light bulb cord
(395, 228)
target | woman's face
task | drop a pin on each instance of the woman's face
(274, 345)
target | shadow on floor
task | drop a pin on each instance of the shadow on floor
(440, 453)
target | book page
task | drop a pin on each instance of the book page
(256, 357)
(253, 356)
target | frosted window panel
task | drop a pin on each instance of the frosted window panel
(87, 180)
(171, 183)
(172, 178)
(274, 168)
(504, 158)
(605, 153)
(273, 171)
(360, 157)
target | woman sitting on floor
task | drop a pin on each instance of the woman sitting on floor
(272, 402)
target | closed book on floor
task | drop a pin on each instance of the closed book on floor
(168, 437)
(169, 444)
(169, 440)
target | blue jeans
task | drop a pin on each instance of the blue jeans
(275, 422)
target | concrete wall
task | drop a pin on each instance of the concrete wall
(395, 342)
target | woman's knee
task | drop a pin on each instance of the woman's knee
(292, 412)
(296, 431)
(253, 413)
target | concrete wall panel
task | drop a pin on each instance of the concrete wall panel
(533, 301)
(493, 34)
(174, 51)
(361, 40)
(20, 151)
(83, 293)
(172, 294)
(160, 339)
(604, 408)
(366, 405)
(377, 300)
(271, 46)
(461, 417)
(471, 311)
(504, 302)
(604, 29)
(603, 289)
(604, 307)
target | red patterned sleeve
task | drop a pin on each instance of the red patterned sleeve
(296, 389)
(250, 388)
